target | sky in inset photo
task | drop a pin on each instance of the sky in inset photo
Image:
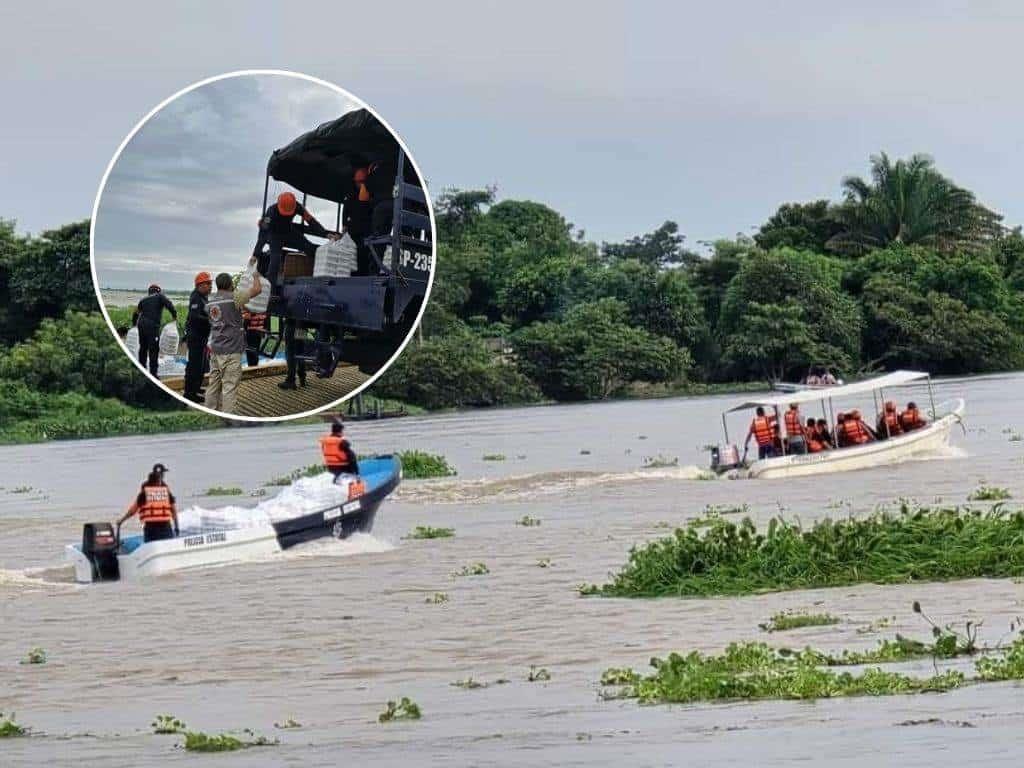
(185, 195)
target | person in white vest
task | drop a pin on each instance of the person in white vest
(227, 341)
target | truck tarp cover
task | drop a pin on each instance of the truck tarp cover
(320, 163)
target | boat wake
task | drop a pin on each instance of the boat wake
(356, 544)
(37, 579)
(305, 495)
(525, 487)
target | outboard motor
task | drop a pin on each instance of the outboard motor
(99, 545)
(725, 457)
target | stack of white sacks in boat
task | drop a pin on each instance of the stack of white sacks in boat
(335, 258)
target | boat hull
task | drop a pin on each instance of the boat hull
(212, 548)
(927, 440)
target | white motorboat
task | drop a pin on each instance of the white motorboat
(929, 439)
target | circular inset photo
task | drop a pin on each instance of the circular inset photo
(263, 245)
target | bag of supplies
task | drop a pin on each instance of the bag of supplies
(258, 303)
(169, 339)
(335, 258)
(132, 341)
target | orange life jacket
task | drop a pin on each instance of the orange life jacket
(892, 421)
(157, 506)
(793, 426)
(813, 444)
(762, 429)
(255, 321)
(911, 419)
(334, 453)
(854, 431)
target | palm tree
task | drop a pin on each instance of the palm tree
(908, 202)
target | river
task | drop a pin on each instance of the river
(327, 633)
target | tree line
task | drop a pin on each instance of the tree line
(906, 269)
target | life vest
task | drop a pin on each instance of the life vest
(332, 447)
(814, 445)
(854, 431)
(891, 420)
(157, 506)
(793, 426)
(910, 419)
(762, 429)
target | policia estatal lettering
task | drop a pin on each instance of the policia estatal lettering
(155, 507)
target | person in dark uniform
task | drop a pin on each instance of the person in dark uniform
(147, 317)
(357, 215)
(155, 507)
(295, 366)
(339, 458)
(197, 334)
(278, 231)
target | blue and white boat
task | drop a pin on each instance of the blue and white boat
(104, 555)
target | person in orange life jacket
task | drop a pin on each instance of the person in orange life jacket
(762, 431)
(911, 418)
(155, 507)
(278, 231)
(822, 434)
(814, 443)
(796, 441)
(855, 431)
(888, 422)
(339, 458)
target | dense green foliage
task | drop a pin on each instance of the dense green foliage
(419, 465)
(905, 270)
(912, 545)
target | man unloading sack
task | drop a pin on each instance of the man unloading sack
(278, 231)
(339, 458)
(147, 316)
(155, 507)
(227, 341)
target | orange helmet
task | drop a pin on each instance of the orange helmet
(359, 176)
(286, 204)
(203, 277)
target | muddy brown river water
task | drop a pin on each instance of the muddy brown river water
(326, 634)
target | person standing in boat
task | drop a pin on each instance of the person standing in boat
(911, 418)
(339, 458)
(155, 507)
(762, 430)
(796, 441)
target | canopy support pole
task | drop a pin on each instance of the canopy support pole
(931, 397)
(725, 428)
(881, 396)
(266, 191)
(778, 426)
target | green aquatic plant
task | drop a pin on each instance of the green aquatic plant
(419, 465)
(544, 562)
(428, 532)
(726, 509)
(1007, 666)
(311, 470)
(35, 655)
(437, 598)
(493, 457)
(658, 462)
(288, 724)
(537, 674)
(876, 625)
(911, 545)
(405, 709)
(528, 522)
(474, 569)
(218, 490)
(989, 493)
(753, 671)
(22, 489)
(468, 684)
(167, 724)
(197, 741)
(786, 620)
(9, 727)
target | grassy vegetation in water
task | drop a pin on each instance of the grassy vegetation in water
(35, 656)
(311, 470)
(528, 522)
(420, 465)
(197, 741)
(538, 674)
(10, 728)
(989, 493)
(217, 490)
(914, 544)
(406, 709)
(428, 532)
(167, 724)
(780, 622)
(494, 457)
(474, 569)
(438, 598)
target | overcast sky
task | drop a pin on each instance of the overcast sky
(618, 115)
(185, 193)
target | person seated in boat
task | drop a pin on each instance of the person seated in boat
(911, 418)
(339, 458)
(854, 431)
(762, 431)
(813, 378)
(814, 444)
(796, 441)
(827, 379)
(822, 435)
(888, 422)
(155, 507)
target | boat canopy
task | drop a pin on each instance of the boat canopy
(320, 162)
(894, 379)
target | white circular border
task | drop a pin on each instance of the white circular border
(95, 213)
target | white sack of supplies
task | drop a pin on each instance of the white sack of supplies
(335, 258)
(168, 339)
(258, 303)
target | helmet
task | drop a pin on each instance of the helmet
(203, 277)
(286, 204)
